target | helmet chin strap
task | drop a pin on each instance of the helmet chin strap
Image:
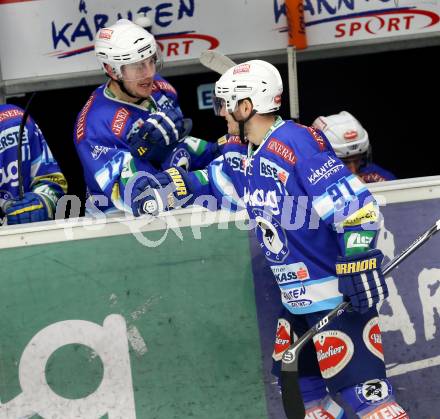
(241, 123)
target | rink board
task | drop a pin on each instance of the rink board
(96, 325)
(189, 310)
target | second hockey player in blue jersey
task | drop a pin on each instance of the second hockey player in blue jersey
(316, 225)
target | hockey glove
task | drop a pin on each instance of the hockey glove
(32, 208)
(161, 129)
(163, 191)
(361, 280)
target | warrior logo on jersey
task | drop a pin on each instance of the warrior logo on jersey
(334, 350)
(271, 235)
(282, 339)
(373, 337)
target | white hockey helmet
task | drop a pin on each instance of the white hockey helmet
(257, 80)
(124, 43)
(346, 135)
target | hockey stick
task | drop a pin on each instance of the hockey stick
(292, 72)
(19, 144)
(290, 354)
(216, 61)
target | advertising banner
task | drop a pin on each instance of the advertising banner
(110, 328)
(52, 37)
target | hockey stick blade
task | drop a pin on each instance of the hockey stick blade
(216, 61)
(290, 354)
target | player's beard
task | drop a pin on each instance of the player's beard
(138, 92)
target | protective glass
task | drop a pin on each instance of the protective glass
(220, 103)
(141, 69)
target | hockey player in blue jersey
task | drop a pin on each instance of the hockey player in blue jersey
(351, 144)
(316, 225)
(132, 121)
(43, 182)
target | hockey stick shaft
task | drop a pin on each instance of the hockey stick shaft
(216, 61)
(19, 145)
(293, 82)
(290, 355)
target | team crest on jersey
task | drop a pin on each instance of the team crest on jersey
(271, 236)
(334, 350)
(373, 337)
(373, 391)
(282, 339)
(181, 158)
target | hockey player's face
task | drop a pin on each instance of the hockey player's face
(353, 163)
(232, 124)
(138, 77)
(232, 118)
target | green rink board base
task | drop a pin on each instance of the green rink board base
(189, 310)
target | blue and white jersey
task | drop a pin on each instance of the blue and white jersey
(40, 171)
(100, 134)
(306, 206)
(374, 173)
